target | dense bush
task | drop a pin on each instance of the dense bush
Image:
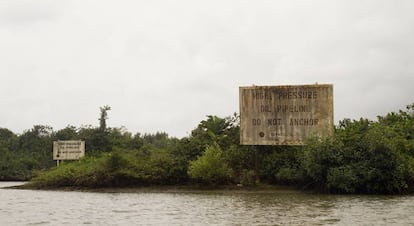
(210, 168)
(110, 170)
(283, 165)
(365, 156)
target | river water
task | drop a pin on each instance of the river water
(172, 207)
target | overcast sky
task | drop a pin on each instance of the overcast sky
(166, 65)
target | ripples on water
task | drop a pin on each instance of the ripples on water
(27, 207)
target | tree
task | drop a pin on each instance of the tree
(68, 133)
(104, 117)
(8, 140)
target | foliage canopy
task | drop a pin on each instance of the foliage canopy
(363, 156)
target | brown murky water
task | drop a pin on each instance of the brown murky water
(27, 207)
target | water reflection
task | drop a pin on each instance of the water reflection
(25, 207)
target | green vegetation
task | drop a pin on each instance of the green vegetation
(363, 156)
(210, 167)
(110, 170)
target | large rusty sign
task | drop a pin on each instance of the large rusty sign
(285, 115)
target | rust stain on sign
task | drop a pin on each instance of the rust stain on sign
(285, 115)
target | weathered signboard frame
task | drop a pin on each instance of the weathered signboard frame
(285, 115)
(68, 149)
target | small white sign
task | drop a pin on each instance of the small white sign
(68, 149)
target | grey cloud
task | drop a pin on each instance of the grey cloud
(15, 14)
(165, 65)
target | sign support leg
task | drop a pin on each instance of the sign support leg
(256, 168)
